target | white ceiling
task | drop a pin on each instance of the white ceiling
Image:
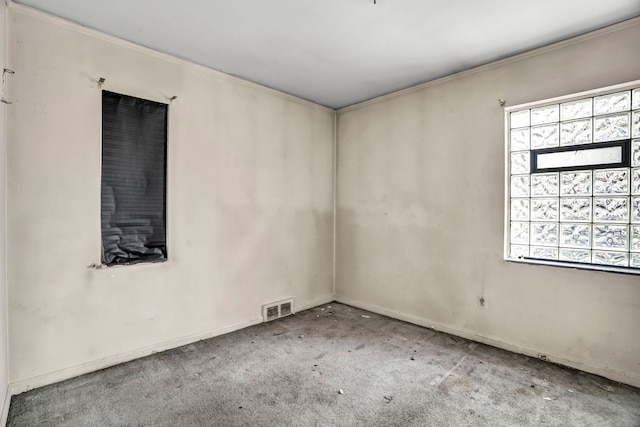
(340, 52)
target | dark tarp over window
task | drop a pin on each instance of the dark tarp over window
(134, 164)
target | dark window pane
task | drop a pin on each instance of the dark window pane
(134, 164)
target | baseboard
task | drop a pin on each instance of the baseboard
(5, 407)
(95, 365)
(319, 301)
(629, 378)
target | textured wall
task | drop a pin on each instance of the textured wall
(249, 203)
(421, 212)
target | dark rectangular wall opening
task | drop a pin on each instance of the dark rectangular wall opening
(134, 170)
(623, 148)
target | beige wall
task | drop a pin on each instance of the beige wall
(4, 349)
(250, 208)
(421, 213)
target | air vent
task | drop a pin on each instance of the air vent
(285, 309)
(272, 312)
(277, 309)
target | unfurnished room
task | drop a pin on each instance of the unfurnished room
(320, 213)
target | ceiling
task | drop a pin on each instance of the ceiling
(341, 52)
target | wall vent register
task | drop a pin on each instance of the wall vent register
(278, 309)
(573, 180)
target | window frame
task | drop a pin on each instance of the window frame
(627, 151)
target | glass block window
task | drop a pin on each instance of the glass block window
(573, 180)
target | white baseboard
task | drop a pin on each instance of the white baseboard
(95, 365)
(319, 301)
(630, 378)
(4, 414)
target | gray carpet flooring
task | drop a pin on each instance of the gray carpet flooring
(333, 365)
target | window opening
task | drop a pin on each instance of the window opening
(573, 180)
(133, 189)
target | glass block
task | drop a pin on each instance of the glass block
(576, 109)
(634, 261)
(612, 103)
(635, 103)
(546, 114)
(520, 139)
(619, 259)
(544, 252)
(520, 186)
(520, 119)
(607, 236)
(519, 251)
(519, 232)
(575, 132)
(635, 152)
(635, 209)
(575, 255)
(544, 234)
(544, 209)
(575, 209)
(611, 181)
(544, 185)
(520, 162)
(611, 209)
(635, 181)
(635, 124)
(611, 128)
(519, 209)
(575, 183)
(545, 136)
(575, 235)
(635, 238)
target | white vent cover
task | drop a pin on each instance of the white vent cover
(276, 310)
